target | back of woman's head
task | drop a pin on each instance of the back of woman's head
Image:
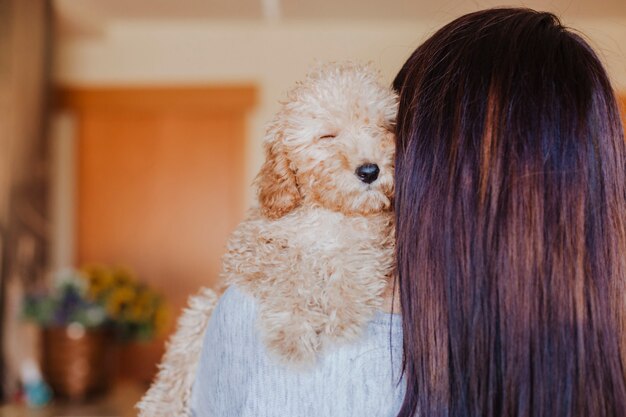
(510, 201)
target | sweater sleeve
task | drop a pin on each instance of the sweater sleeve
(222, 374)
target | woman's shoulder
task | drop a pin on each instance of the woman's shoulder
(236, 313)
(235, 298)
(235, 309)
(231, 333)
(228, 347)
(236, 375)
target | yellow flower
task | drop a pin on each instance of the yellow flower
(99, 279)
(138, 314)
(142, 307)
(126, 300)
(119, 299)
(123, 276)
(161, 319)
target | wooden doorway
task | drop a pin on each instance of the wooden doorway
(160, 186)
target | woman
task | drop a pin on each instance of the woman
(510, 201)
(510, 205)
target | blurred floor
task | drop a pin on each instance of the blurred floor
(120, 402)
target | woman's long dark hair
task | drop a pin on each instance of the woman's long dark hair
(510, 201)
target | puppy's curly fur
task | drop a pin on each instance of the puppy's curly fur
(318, 251)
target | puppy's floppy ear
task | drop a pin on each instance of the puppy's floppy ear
(277, 187)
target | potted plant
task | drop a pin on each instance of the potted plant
(84, 315)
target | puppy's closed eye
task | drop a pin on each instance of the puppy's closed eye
(329, 136)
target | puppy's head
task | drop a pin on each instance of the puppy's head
(331, 144)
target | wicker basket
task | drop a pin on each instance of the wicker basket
(78, 362)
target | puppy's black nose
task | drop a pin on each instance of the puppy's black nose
(367, 173)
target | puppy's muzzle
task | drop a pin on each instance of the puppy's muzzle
(368, 173)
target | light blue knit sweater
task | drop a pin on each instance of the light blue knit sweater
(237, 378)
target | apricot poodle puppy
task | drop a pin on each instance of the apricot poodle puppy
(317, 252)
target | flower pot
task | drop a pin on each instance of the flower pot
(139, 359)
(78, 362)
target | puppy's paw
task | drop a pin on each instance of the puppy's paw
(348, 306)
(344, 325)
(291, 338)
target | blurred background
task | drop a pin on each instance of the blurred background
(130, 133)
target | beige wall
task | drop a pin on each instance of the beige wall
(272, 55)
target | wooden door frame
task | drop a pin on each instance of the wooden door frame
(223, 100)
(234, 98)
(76, 99)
